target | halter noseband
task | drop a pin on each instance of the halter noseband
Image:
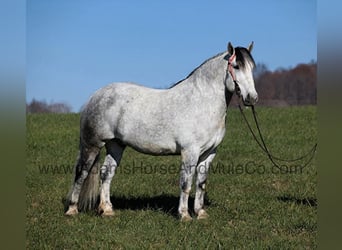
(232, 73)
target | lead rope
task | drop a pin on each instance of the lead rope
(262, 145)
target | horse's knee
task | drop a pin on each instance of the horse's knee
(185, 184)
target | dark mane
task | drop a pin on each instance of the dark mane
(192, 72)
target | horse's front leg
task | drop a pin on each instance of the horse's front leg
(202, 174)
(189, 162)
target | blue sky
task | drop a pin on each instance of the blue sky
(74, 47)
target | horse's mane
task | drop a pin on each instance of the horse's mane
(242, 56)
(192, 72)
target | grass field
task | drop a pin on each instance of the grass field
(251, 204)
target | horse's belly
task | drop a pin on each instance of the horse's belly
(153, 148)
(149, 142)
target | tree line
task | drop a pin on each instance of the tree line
(36, 106)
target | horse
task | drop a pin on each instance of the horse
(187, 119)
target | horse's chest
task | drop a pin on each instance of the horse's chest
(215, 135)
(219, 134)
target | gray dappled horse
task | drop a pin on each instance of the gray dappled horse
(188, 119)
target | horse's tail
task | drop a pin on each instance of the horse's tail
(90, 189)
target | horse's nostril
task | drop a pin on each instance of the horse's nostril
(250, 99)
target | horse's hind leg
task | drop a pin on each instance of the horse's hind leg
(112, 160)
(202, 173)
(85, 162)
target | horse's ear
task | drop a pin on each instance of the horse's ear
(231, 49)
(250, 47)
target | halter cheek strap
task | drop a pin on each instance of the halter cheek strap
(230, 69)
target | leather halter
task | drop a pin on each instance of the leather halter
(231, 70)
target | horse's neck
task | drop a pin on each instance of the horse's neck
(208, 80)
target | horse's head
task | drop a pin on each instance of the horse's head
(240, 68)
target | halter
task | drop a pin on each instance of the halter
(230, 70)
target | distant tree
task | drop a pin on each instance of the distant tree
(296, 86)
(42, 107)
(37, 107)
(260, 70)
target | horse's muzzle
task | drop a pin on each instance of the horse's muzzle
(250, 100)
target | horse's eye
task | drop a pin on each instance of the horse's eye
(236, 66)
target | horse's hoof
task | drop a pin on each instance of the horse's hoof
(202, 215)
(107, 213)
(105, 210)
(72, 211)
(186, 217)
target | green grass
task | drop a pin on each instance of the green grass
(247, 210)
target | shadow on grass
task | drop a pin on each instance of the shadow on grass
(165, 203)
(312, 202)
